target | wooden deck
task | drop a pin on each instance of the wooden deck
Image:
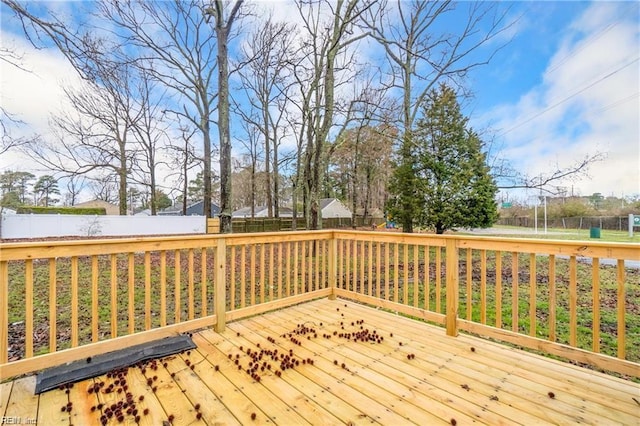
(450, 381)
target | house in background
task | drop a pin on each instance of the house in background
(333, 208)
(111, 209)
(261, 211)
(195, 209)
(330, 207)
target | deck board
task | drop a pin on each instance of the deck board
(491, 384)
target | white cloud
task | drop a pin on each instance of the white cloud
(32, 94)
(587, 103)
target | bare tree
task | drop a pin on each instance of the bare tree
(184, 162)
(75, 185)
(177, 43)
(150, 131)
(104, 188)
(98, 138)
(224, 18)
(252, 147)
(550, 181)
(265, 75)
(327, 40)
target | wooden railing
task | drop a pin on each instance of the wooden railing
(67, 300)
(572, 299)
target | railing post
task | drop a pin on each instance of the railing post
(4, 313)
(220, 298)
(333, 265)
(452, 286)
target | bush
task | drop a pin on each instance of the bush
(90, 211)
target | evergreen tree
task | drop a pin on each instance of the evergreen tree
(448, 183)
(45, 188)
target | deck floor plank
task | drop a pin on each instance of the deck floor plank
(297, 401)
(337, 386)
(138, 387)
(271, 406)
(194, 385)
(444, 397)
(225, 390)
(333, 408)
(520, 379)
(443, 366)
(174, 401)
(376, 391)
(51, 404)
(23, 403)
(360, 366)
(83, 401)
(5, 391)
(356, 411)
(379, 385)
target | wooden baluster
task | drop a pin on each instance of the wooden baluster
(163, 288)
(114, 296)
(532, 294)
(190, 285)
(53, 303)
(147, 290)
(595, 283)
(131, 283)
(498, 289)
(621, 310)
(483, 286)
(514, 291)
(74, 303)
(177, 287)
(28, 306)
(469, 262)
(438, 279)
(573, 301)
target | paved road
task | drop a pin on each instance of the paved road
(633, 264)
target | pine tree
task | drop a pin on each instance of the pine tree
(449, 184)
(44, 188)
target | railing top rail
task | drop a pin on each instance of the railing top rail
(52, 249)
(87, 247)
(630, 251)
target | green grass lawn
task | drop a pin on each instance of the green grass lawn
(561, 234)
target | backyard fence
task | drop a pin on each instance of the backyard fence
(16, 226)
(266, 224)
(612, 223)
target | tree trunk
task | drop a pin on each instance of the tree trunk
(276, 179)
(222, 34)
(223, 129)
(185, 176)
(122, 177)
(206, 206)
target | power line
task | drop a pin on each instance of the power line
(591, 39)
(549, 108)
(617, 103)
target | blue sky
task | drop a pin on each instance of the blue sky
(565, 86)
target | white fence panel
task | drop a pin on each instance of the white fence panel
(43, 225)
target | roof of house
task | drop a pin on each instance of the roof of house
(261, 211)
(332, 207)
(111, 209)
(195, 209)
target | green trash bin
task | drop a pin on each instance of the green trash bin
(595, 232)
